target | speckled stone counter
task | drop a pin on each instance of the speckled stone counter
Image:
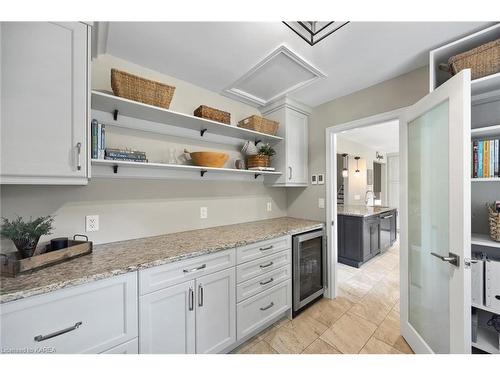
(361, 211)
(125, 256)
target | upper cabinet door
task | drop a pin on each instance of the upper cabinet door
(216, 311)
(44, 101)
(296, 148)
(435, 219)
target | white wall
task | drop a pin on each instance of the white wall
(138, 208)
(386, 96)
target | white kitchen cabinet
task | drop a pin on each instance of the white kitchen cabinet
(216, 311)
(89, 318)
(45, 102)
(291, 154)
(130, 347)
(167, 320)
(196, 316)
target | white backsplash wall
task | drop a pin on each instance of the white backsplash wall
(138, 208)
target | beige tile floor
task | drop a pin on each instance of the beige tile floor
(363, 319)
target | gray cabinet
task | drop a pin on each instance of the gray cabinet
(361, 238)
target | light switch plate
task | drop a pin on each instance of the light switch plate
(321, 179)
(357, 197)
(91, 223)
(314, 179)
(321, 203)
(269, 207)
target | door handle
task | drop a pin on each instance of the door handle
(451, 258)
(79, 153)
(57, 333)
(191, 299)
(200, 295)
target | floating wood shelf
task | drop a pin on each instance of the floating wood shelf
(124, 113)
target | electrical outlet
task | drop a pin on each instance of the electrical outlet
(357, 197)
(321, 203)
(92, 223)
(269, 207)
(203, 212)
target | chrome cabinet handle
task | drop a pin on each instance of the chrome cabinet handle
(79, 153)
(57, 333)
(451, 258)
(290, 175)
(266, 248)
(266, 265)
(267, 282)
(200, 295)
(267, 307)
(191, 299)
(196, 269)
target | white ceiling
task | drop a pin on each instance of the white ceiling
(381, 137)
(214, 55)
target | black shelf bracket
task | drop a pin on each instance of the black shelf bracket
(115, 169)
(256, 175)
(202, 132)
(202, 173)
(257, 142)
(115, 114)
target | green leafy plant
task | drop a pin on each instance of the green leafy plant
(26, 234)
(267, 150)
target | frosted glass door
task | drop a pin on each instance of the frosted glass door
(428, 227)
(435, 220)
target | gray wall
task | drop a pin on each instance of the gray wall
(386, 96)
(138, 208)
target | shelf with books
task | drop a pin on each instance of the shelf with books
(130, 169)
(485, 153)
(144, 117)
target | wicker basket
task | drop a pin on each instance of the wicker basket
(483, 60)
(494, 218)
(254, 161)
(213, 114)
(142, 90)
(259, 124)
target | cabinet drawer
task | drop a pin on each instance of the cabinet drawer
(261, 249)
(264, 282)
(130, 347)
(262, 308)
(263, 265)
(160, 277)
(90, 318)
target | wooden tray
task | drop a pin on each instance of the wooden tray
(11, 266)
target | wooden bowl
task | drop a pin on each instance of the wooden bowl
(209, 159)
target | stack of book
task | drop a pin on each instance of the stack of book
(125, 155)
(485, 158)
(98, 135)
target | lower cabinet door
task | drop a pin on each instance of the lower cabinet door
(130, 347)
(167, 320)
(216, 311)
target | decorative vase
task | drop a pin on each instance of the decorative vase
(26, 246)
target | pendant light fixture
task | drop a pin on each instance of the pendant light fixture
(345, 170)
(314, 31)
(356, 172)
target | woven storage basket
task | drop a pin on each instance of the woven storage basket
(214, 114)
(142, 90)
(494, 218)
(254, 161)
(259, 124)
(483, 60)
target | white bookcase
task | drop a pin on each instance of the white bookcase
(485, 112)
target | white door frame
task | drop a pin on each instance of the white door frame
(331, 181)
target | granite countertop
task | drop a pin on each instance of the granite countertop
(125, 256)
(362, 211)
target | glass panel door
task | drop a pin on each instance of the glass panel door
(428, 227)
(311, 267)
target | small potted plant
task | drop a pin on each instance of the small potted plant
(263, 158)
(26, 235)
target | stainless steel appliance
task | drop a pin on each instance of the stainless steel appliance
(309, 268)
